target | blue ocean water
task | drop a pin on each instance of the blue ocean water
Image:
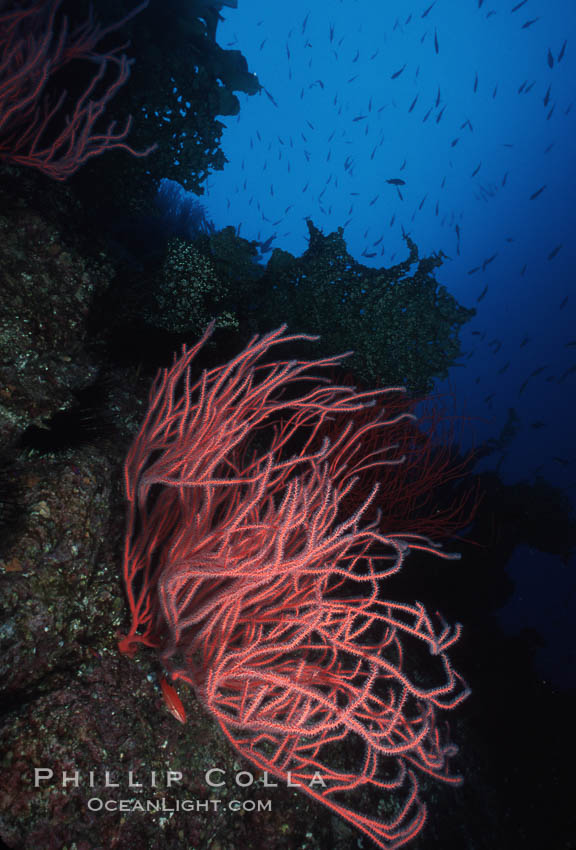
(470, 104)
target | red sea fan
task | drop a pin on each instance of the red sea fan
(422, 494)
(35, 44)
(244, 570)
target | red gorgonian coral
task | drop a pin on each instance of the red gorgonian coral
(34, 47)
(258, 590)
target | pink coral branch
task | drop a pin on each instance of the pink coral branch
(32, 132)
(244, 569)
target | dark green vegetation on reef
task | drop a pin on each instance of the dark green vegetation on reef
(401, 324)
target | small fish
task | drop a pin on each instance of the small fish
(476, 82)
(523, 386)
(547, 97)
(436, 48)
(426, 11)
(440, 114)
(537, 371)
(550, 59)
(570, 344)
(396, 181)
(569, 371)
(563, 302)
(265, 246)
(529, 23)
(482, 294)
(504, 368)
(518, 6)
(538, 424)
(553, 253)
(524, 341)
(172, 700)
(269, 96)
(474, 270)
(438, 98)
(535, 194)
(562, 52)
(413, 104)
(489, 260)
(397, 73)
